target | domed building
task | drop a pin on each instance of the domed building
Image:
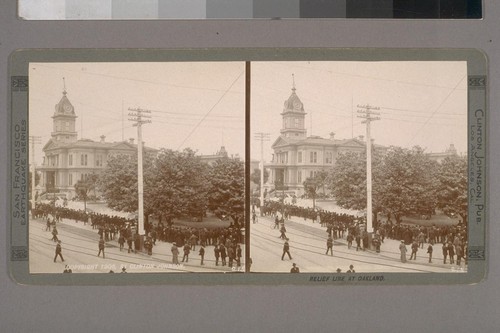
(68, 159)
(297, 156)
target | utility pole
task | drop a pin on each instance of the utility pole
(33, 140)
(138, 116)
(262, 137)
(367, 114)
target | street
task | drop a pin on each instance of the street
(80, 247)
(308, 246)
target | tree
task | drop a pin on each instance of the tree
(407, 186)
(175, 184)
(347, 180)
(227, 189)
(402, 182)
(82, 189)
(310, 188)
(179, 185)
(118, 183)
(255, 176)
(451, 190)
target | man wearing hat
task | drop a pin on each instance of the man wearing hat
(286, 249)
(58, 251)
(294, 269)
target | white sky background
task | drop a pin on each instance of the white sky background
(421, 103)
(180, 95)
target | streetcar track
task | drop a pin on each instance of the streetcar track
(117, 256)
(346, 258)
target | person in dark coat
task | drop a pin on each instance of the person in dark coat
(148, 245)
(414, 249)
(376, 243)
(429, 251)
(202, 254)
(358, 242)
(121, 241)
(223, 254)
(54, 234)
(282, 231)
(350, 238)
(187, 250)
(238, 255)
(130, 241)
(286, 250)
(58, 251)
(231, 255)
(101, 247)
(460, 254)
(329, 245)
(294, 269)
(451, 252)
(445, 252)
(217, 255)
(365, 240)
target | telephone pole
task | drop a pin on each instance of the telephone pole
(262, 137)
(138, 116)
(33, 140)
(367, 114)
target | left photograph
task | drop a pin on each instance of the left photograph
(137, 167)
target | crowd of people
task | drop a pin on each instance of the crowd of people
(225, 240)
(453, 238)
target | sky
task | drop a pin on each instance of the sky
(421, 103)
(201, 105)
(198, 105)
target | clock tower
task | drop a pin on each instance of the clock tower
(293, 116)
(64, 120)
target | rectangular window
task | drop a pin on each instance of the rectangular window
(70, 179)
(70, 159)
(313, 157)
(98, 160)
(286, 158)
(83, 159)
(329, 158)
(299, 157)
(299, 177)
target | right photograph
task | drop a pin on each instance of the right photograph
(359, 166)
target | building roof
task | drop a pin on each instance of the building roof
(87, 143)
(316, 141)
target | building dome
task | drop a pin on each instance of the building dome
(293, 102)
(64, 107)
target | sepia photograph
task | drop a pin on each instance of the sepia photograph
(359, 167)
(136, 167)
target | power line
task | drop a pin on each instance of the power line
(134, 79)
(210, 110)
(439, 106)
